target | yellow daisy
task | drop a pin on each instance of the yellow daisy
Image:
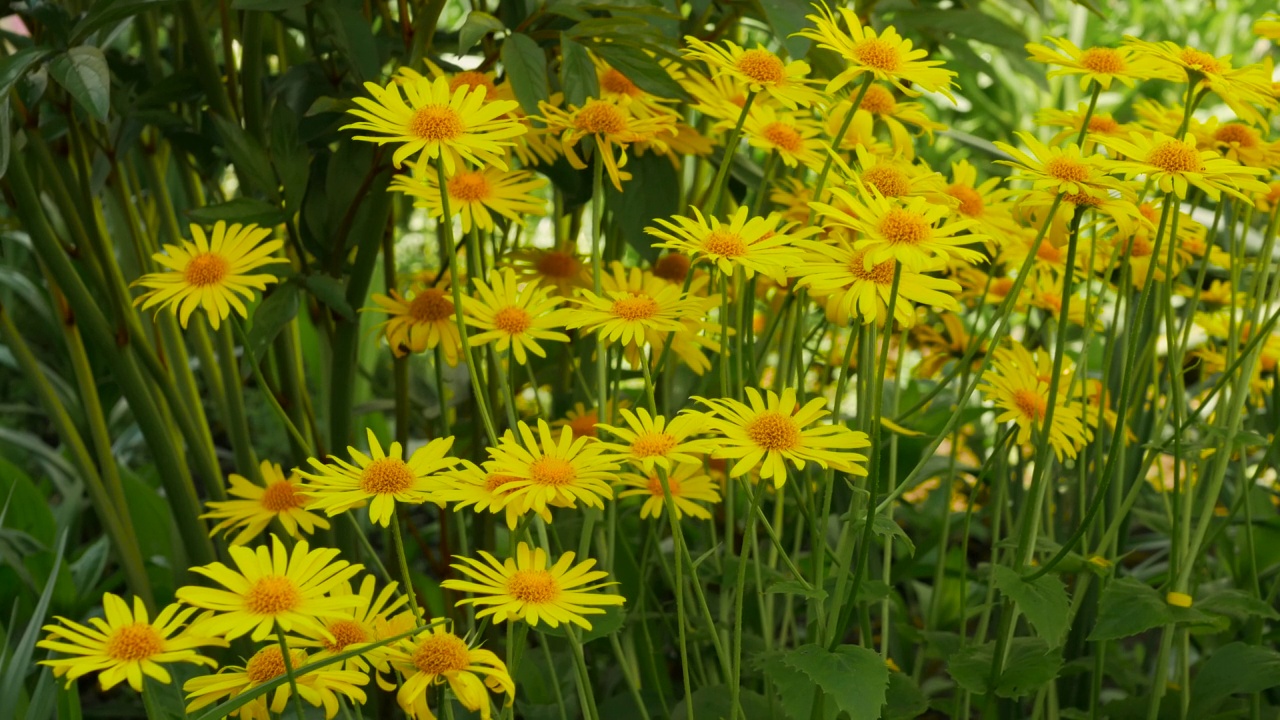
(610, 124)
(839, 274)
(653, 440)
(551, 471)
(582, 420)
(124, 645)
(894, 177)
(633, 318)
(1098, 64)
(1268, 26)
(769, 431)
(1072, 121)
(689, 485)
(861, 133)
(319, 688)
(374, 617)
(896, 115)
(1018, 383)
(759, 70)
(422, 320)
(911, 233)
(562, 267)
(1238, 141)
(527, 588)
(1173, 164)
(796, 139)
(755, 244)
(452, 125)
(513, 317)
(479, 489)
(378, 479)
(281, 500)
(477, 194)
(213, 272)
(1240, 88)
(985, 203)
(1059, 169)
(269, 589)
(438, 657)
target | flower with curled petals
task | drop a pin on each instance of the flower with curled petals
(440, 657)
(755, 244)
(650, 440)
(256, 506)
(1099, 65)
(1173, 164)
(758, 70)
(911, 232)
(689, 485)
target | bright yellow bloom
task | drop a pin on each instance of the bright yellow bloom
(689, 485)
(653, 440)
(456, 125)
(372, 618)
(635, 318)
(281, 500)
(692, 335)
(985, 203)
(861, 132)
(1059, 169)
(423, 320)
(795, 138)
(894, 177)
(1240, 88)
(610, 124)
(378, 479)
(1100, 123)
(212, 272)
(911, 233)
(560, 267)
(513, 317)
(269, 589)
(125, 645)
(885, 56)
(479, 489)
(1018, 383)
(319, 688)
(551, 471)
(437, 657)
(896, 115)
(476, 194)
(755, 244)
(1098, 64)
(718, 96)
(839, 274)
(1173, 164)
(1268, 26)
(758, 70)
(1237, 141)
(527, 588)
(771, 430)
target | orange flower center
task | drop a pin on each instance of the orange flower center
(1050, 254)
(441, 653)
(772, 430)
(672, 267)
(206, 269)
(615, 82)
(635, 307)
(1104, 124)
(552, 471)
(268, 664)
(1001, 286)
(557, 264)
(1140, 247)
(878, 54)
(904, 227)
(584, 425)
(655, 486)
(138, 641)
(761, 66)
(878, 100)
(1065, 168)
(889, 180)
(1030, 403)
(1238, 134)
(1148, 211)
(386, 476)
(493, 482)
(272, 595)
(473, 79)
(469, 187)
(652, 445)
(280, 496)
(881, 274)
(533, 586)
(430, 306)
(600, 118)
(1101, 60)
(724, 243)
(512, 320)
(783, 136)
(1084, 199)
(971, 203)
(1175, 156)
(345, 632)
(1200, 60)
(434, 123)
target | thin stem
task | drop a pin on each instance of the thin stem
(721, 179)
(288, 671)
(404, 566)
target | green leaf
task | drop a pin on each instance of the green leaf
(1128, 607)
(35, 518)
(83, 72)
(712, 701)
(477, 25)
(640, 68)
(601, 625)
(1030, 664)
(1235, 603)
(787, 17)
(577, 73)
(238, 210)
(852, 678)
(13, 67)
(526, 66)
(272, 314)
(289, 156)
(795, 587)
(353, 35)
(903, 700)
(252, 166)
(964, 23)
(1044, 601)
(110, 12)
(268, 5)
(1233, 668)
(330, 291)
(653, 192)
(18, 661)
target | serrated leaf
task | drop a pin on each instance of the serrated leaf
(577, 73)
(526, 67)
(640, 69)
(1235, 603)
(1044, 601)
(477, 25)
(238, 210)
(83, 72)
(1233, 668)
(1128, 607)
(272, 314)
(793, 687)
(795, 587)
(252, 166)
(1030, 664)
(903, 699)
(330, 291)
(854, 679)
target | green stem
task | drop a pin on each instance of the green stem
(233, 390)
(590, 710)
(409, 589)
(721, 179)
(288, 671)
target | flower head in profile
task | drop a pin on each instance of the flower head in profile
(896, 115)
(634, 318)
(1174, 164)
(912, 232)
(757, 70)
(257, 505)
(690, 487)
(319, 688)
(839, 274)
(431, 121)
(423, 319)
(271, 588)
(796, 139)
(477, 195)
(379, 479)
(1056, 170)
(513, 317)
(766, 432)
(1099, 65)
(755, 244)
(376, 616)
(1018, 383)
(1268, 26)
(438, 657)
(1243, 89)
(527, 587)
(649, 440)
(559, 267)
(551, 471)
(472, 486)
(213, 272)
(886, 56)
(612, 126)
(125, 645)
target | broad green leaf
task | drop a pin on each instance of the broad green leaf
(903, 699)
(268, 5)
(252, 166)
(854, 679)
(964, 23)
(1030, 664)
(477, 25)
(1044, 601)
(970, 667)
(795, 587)
(272, 314)
(6, 138)
(653, 192)
(330, 291)
(1235, 603)
(28, 508)
(289, 156)
(1128, 607)
(793, 687)
(712, 701)
(12, 69)
(640, 69)
(577, 72)
(18, 662)
(238, 210)
(526, 66)
(109, 12)
(83, 72)
(353, 35)
(1234, 668)
(787, 17)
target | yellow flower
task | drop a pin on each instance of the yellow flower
(1240, 88)
(270, 588)
(211, 272)
(479, 489)
(125, 645)
(378, 479)
(319, 688)
(281, 500)
(1059, 169)
(438, 657)
(771, 430)
(527, 588)
(1173, 164)
(561, 267)
(896, 115)
(1238, 141)
(909, 232)
(582, 421)
(758, 70)
(1018, 383)
(755, 244)
(796, 139)
(689, 335)
(635, 318)
(885, 56)
(1268, 26)
(512, 317)
(1100, 123)
(985, 203)
(653, 440)
(551, 471)
(1098, 64)
(895, 178)
(718, 96)
(475, 194)
(610, 124)
(424, 320)
(839, 274)
(689, 486)
(455, 126)
(861, 132)
(372, 618)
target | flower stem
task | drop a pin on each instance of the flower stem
(409, 590)
(233, 390)
(590, 711)
(288, 671)
(721, 179)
